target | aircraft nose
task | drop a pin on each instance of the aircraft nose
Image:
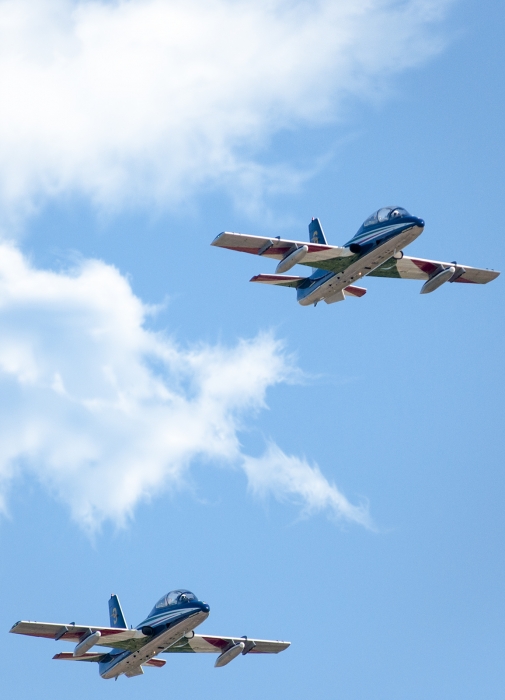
(204, 607)
(420, 222)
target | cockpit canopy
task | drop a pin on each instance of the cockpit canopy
(385, 214)
(174, 598)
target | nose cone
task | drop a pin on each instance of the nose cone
(420, 222)
(204, 607)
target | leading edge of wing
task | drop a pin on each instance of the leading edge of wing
(277, 248)
(210, 644)
(111, 636)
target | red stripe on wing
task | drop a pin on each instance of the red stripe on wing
(217, 642)
(464, 281)
(429, 268)
(72, 635)
(424, 265)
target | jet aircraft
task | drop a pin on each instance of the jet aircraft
(376, 250)
(169, 628)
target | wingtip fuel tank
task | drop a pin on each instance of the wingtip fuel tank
(292, 259)
(85, 645)
(229, 655)
(438, 280)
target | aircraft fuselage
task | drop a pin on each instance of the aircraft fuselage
(372, 246)
(165, 629)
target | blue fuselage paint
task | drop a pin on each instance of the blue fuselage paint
(166, 624)
(373, 245)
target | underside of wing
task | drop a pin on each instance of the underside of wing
(115, 637)
(279, 248)
(202, 644)
(421, 269)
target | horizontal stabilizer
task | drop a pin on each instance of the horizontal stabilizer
(155, 663)
(353, 291)
(89, 656)
(280, 280)
(135, 671)
(350, 291)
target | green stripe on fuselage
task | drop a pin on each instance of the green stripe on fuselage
(182, 646)
(129, 644)
(333, 265)
(387, 269)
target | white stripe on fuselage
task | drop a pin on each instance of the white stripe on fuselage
(369, 235)
(362, 267)
(155, 620)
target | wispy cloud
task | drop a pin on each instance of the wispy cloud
(107, 413)
(142, 101)
(286, 477)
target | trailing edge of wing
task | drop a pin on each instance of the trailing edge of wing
(201, 644)
(422, 269)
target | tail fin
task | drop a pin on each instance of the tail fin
(116, 613)
(316, 234)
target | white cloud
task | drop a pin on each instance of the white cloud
(290, 478)
(107, 413)
(145, 100)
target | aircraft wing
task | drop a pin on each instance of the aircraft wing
(278, 248)
(200, 643)
(116, 637)
(421, 269)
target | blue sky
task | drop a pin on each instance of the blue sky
(330, 476)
